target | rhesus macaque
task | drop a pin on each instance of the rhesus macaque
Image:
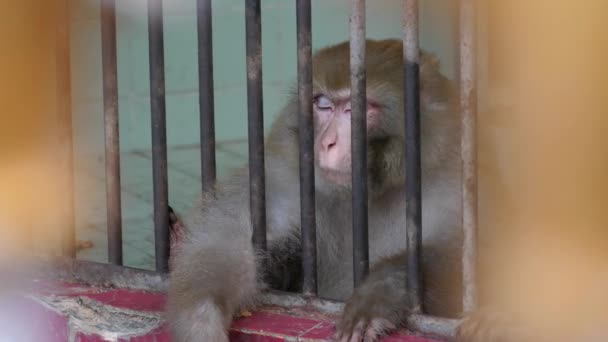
(216, 270)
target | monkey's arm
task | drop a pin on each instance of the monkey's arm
(212, 277)
(216, 271)
(210, 282)
(378, 305)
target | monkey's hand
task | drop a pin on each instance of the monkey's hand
(488, 325)
(378, 305)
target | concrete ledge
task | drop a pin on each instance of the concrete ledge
(50, 311)
(60, 300)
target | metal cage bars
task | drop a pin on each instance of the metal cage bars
(467, 79)
(257, 182)
(159, 134)
(112, 146)
(359, 141)
(206, 101)
(468, 146)
(306, 136)
(411, 69)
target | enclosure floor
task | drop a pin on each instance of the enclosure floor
(51, 311)
(137, 196)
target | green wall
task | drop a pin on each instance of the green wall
(330, 25)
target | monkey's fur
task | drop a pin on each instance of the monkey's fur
(217, 271)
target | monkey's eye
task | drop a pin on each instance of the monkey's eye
(323, 103)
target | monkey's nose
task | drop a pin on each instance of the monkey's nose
(329, 146)
(329, 156)
(328, 143)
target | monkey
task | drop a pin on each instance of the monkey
(216, 270)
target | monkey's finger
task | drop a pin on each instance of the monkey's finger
(345, 336)
(344, 329)
(377, 328)
(357, 334)
(356, 337)
(339, 335)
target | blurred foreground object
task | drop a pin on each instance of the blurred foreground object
(35, 135)
(547, 81)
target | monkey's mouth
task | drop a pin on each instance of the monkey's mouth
(335, 176)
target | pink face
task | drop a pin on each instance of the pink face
(333, 136)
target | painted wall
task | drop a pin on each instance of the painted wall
(330, 25)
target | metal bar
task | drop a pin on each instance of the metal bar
(253, 27)
(468, 144)
(64, 114)
(110, 115)
(159, 134)
(306, 135)
(412, 154)
(359, 140)
(205, 90)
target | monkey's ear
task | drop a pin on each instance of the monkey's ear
(434, 88)
(429, 62)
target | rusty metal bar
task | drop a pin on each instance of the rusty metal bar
(110, 115)
(359, 140)
(413, 206)
(253, 47)
(205, 90)
(468, 145)
(306, 135)
(64, 117)
(159, 134)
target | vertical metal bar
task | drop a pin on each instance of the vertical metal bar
(110, 115)
(306, 134)
(468, 145)
(206, 103)
(64, 113)
(159, 133)
(359, 140)
(253, 27)
(413, 208)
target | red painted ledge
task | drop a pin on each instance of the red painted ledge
(52, 311)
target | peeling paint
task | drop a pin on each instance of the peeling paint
(91, 317)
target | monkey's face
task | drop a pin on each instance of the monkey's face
(385, 119)
(333, 134)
